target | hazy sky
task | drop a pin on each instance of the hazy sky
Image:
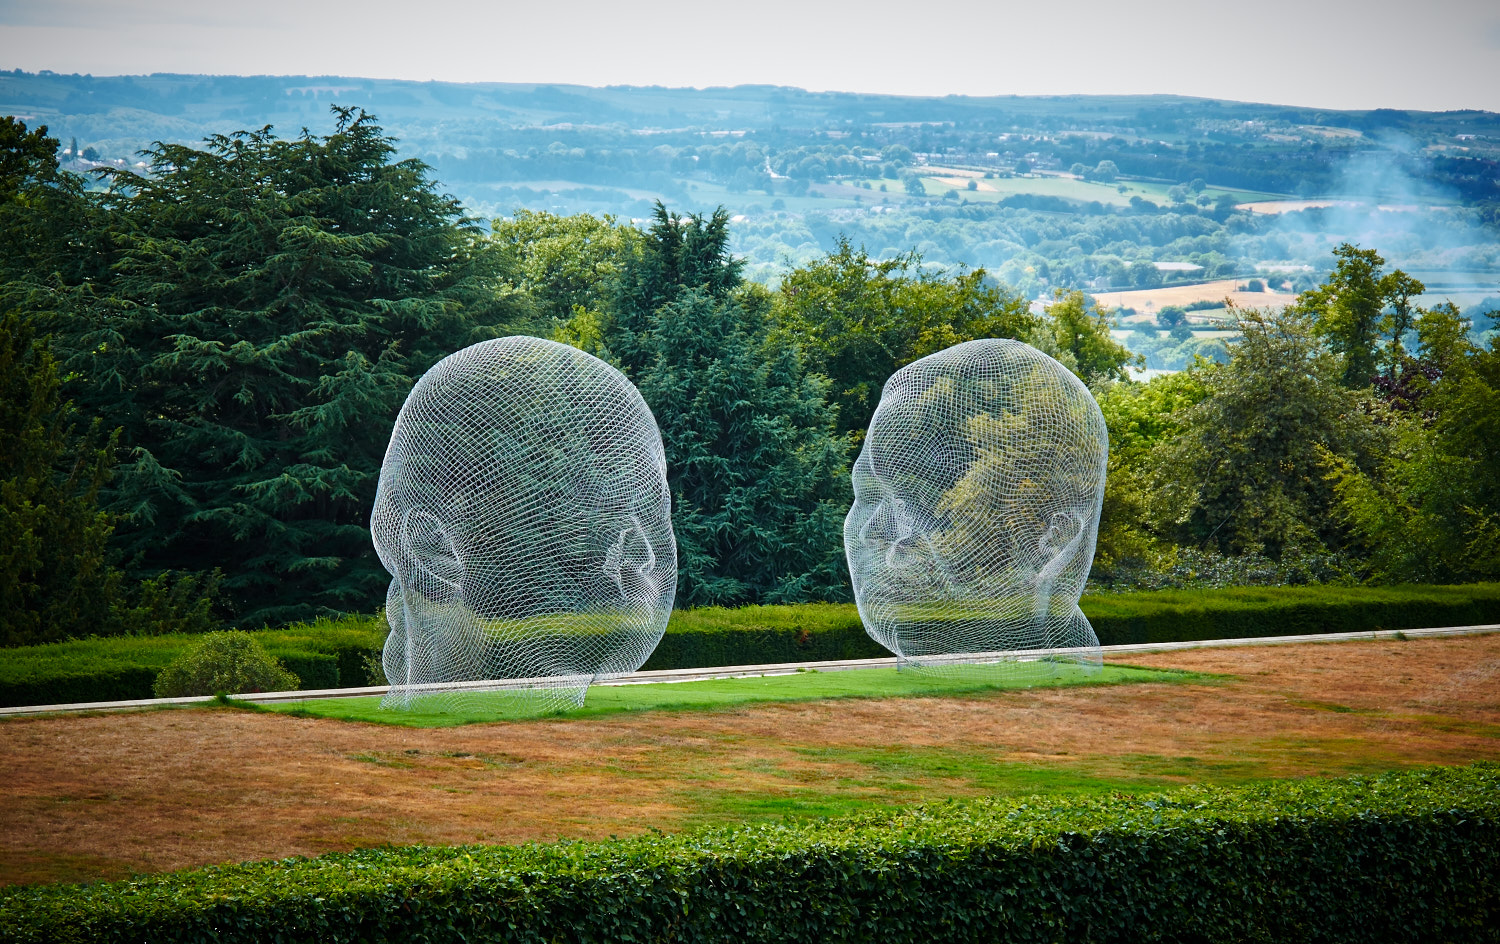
(1435, 54)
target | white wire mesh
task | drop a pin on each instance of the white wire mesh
(523, 513)
(976, 508)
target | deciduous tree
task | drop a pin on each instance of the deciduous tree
(860, 320)
(1247, 474)
(1356, 307)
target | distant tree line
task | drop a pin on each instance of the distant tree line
(202, 365)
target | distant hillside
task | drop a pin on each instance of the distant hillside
(1162, 136)
(1104, 193)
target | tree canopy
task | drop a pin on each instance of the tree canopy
(860, 320)
(757, 471)
(202, 364)
(267, 305)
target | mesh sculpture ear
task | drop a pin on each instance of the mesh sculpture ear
(524, 517)
(977, 499)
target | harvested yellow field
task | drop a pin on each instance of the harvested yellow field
(1152, 300)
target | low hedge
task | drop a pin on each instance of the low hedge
(758, 635)
(322, 654)
(1413, 856)
(331, 653)
(825, 631)
(1235, 612)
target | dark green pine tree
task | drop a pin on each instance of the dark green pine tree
(46, 219)
(681, 253)
(758, 475)
(55, 576)
(270, 304)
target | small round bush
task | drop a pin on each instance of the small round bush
(232, 662)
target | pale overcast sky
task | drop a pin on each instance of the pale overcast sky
(1436, 54)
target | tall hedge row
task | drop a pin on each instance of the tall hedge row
(1413, 856)
(330, 654)
(1237, 612)
(322, 654)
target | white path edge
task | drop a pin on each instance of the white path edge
(751, 671)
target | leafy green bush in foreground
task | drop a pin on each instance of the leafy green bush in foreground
(230, 662)
(1413, 856)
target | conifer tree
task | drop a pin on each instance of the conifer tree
(757, 472)
(45, 217)
(55, 578)
(269, 305)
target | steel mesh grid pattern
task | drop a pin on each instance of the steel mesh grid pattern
(977, 495)
(524, 516)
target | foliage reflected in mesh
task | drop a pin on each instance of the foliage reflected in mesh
(977, 498)
(523, 512)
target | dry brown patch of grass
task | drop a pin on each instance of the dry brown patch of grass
(103, 796)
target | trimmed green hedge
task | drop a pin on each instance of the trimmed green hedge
(1235, 612)
(759, 635)
(817, 632)
(330, 654)
(322, 654)
(1413, 856)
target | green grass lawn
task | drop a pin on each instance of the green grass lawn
(994, 189)
(724, 693)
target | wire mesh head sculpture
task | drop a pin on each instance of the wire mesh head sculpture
(976, 507)
(524, 516)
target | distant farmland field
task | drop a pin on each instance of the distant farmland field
(1288, 206)
(991, 189)
(1151, 300)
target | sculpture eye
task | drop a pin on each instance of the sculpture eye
(886, 524)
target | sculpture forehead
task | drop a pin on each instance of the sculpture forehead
(516, 432)
(981, 376)
(521, 399)
(516, 378)
(990, 395)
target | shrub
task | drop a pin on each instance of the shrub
(758, 635)
(1412, 856)
(232, 662)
